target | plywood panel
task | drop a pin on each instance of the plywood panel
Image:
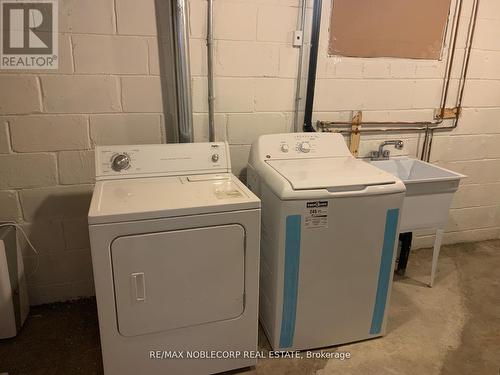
(388, 28)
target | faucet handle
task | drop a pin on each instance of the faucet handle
(386, 154)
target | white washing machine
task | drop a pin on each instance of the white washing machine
(329, 226)
(175, 253)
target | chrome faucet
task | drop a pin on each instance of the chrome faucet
(382, 154)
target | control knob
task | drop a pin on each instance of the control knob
(305, 147)
(120, 162)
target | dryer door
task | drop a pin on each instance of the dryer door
(178, 278)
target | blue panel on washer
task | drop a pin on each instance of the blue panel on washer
(384, 277)
(291, 280)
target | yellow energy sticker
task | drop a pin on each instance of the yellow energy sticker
(316, 214)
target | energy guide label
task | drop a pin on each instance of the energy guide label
(316, 214)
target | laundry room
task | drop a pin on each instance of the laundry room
(249, 187)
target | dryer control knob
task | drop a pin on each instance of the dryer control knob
(305, 147)
(284, 147)
(215, 158)
(120, 162)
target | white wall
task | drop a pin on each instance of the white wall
(107, 91)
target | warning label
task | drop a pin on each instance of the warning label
(316, 215)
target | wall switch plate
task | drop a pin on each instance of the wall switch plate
(297, 38)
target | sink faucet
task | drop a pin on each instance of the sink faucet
(382, 154)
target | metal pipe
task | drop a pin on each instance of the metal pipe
(425, 143)
(182, 71)
(313, 64)
(429, 138)
(451, 57)
(298, 97)
(429, 149)
(210, 72)
(349, 123)
(465, 66)
(375, 130)
(446, 81)
(424, 125)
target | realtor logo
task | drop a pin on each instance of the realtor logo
(29, 34)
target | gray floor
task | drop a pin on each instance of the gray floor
(453, 328)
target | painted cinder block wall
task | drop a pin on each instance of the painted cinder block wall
(256, 67)
(108, 90)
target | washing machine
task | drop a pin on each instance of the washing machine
(175, 252)
(329, 226)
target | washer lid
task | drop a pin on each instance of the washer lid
(333, 174)
(161, 197)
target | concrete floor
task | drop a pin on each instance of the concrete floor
(453, 328)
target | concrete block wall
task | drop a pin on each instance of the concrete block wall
(108, 90)
(256, 67)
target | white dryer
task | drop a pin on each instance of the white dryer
(329, 226)
(175, 253)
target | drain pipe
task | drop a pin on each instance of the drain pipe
(297, 126)
(210, 72)
(182, 71)
(313, 64)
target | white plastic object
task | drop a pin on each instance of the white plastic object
(14, 303)
(429, 194)
(429, 191)
(298, 36)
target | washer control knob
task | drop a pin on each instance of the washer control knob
(120, 162)
(215, 158)
(305, 147)
(284, 147)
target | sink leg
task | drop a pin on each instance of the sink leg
(435, 254)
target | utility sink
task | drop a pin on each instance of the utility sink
(429, 191)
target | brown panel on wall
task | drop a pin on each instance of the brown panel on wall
(388, 28)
